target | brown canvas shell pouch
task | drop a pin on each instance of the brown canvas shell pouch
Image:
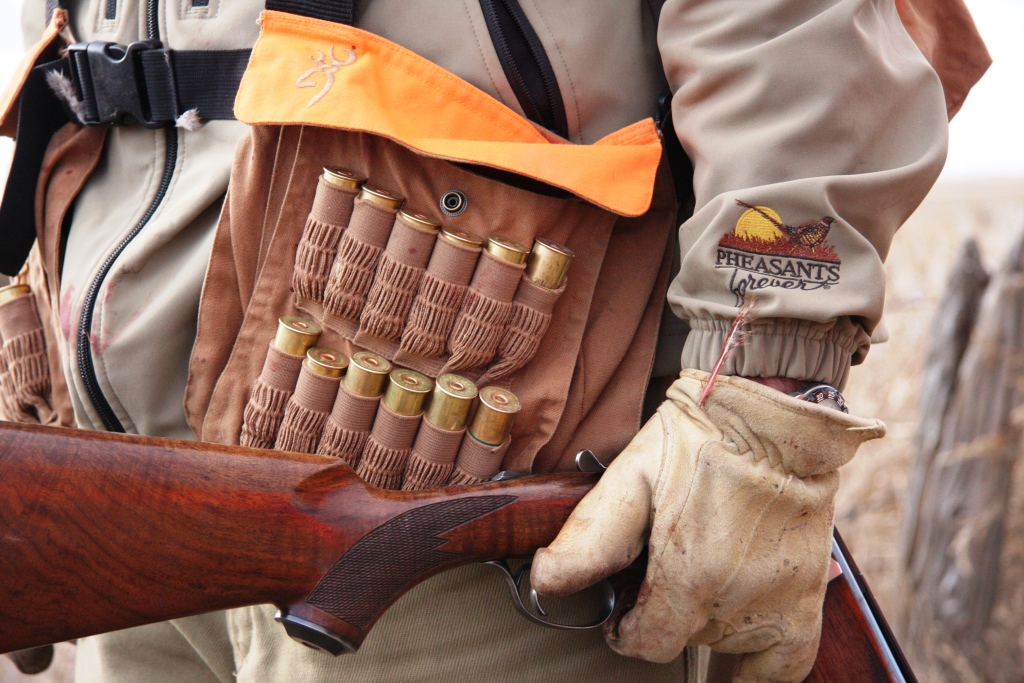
(24, 367)
(32, 387)
(289, 242)
(31, 377)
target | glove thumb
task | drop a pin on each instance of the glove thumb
(606, 531)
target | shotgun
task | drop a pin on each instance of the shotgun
(100, 532)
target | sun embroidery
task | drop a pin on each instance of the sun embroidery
(763, 251)
(328, 65)
(761, 228)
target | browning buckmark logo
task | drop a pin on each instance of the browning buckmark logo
(328, 65)
(762, 251)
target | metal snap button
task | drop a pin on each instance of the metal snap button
(453, 202)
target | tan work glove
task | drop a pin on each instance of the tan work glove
(737, 500)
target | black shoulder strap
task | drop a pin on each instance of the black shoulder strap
(41, 115)
(338, 11)
(52, 6)
(678, 161)
(172, 82)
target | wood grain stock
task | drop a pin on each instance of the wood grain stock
(103, 531)
(852, 649)
(846, 642)
(100, 532)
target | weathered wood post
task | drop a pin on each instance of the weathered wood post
(967, 447)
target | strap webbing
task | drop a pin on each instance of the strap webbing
(52, 6)
(40, 116)
(180, 80)
(338, 11)
(678, 161)
(173, 81)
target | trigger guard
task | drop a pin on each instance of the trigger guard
(514, 582)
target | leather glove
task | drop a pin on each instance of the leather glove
(735, 503)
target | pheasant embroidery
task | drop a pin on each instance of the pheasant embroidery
(763, 252)
(810, 235)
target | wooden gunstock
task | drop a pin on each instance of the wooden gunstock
(100, 532)
(105, 531)
(856, 642)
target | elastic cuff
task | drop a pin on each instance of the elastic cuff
(778, 347)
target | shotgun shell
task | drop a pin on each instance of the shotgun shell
(548, 264)
(494, 414)
(326, 362)
(295, 335)
(507, 250)
(420, 220)
(383, 198)
(344, 178)
(11, 292)
(407, 391)
(462, 238)
(367, 373)
(450, 403)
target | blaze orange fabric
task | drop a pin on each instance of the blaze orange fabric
(945, 32)
(9, 100)
(306, 71)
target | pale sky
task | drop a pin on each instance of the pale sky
(986, 137)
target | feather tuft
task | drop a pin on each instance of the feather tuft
(738, 333)
(189, 120)
(62, 88)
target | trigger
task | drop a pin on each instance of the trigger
(586, 461)
(514, 581)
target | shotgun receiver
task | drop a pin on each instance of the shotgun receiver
(100, 532)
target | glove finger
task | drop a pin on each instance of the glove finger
(661, 623)
(605, 532)
(787, 662)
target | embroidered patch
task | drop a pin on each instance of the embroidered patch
(762, 251)
(328, 65)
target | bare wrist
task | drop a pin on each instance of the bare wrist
(786, 385)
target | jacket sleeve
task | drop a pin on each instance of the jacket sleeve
(827, 119)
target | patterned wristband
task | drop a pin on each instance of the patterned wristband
(822, 394)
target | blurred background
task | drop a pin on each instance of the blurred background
(980, 195)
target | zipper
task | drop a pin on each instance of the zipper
(153, 19)
(526, 64)
(86, 368)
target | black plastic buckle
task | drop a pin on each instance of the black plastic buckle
(109, 79)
